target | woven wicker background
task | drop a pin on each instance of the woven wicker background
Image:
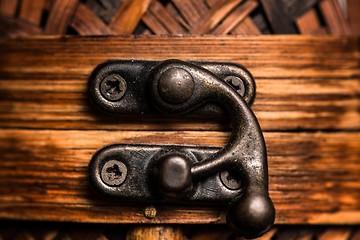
(66, 231)
(176, 17)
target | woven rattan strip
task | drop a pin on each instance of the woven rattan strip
(178, 17)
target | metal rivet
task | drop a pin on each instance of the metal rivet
(174, 176)
(150, 212)
(113, 87)
(230, 180)
(176, 85)
(113, 173)
(236, 83)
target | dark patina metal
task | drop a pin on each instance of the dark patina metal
(236, 173)
(136, 100)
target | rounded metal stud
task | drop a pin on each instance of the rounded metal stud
(176, 85)
(174, 176)
(251, 215)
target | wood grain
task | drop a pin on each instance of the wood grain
(313, 177)
(307, 104)
(305, 83)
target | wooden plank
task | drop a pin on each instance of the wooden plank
(128, 16)
(297, 87)
(8, 7)
(278, 17)
(246, 27)
(308, 23)
(85, 22)
(235, 17)
(60, 16)
(215, 16)
(313, 176)
(32, 10)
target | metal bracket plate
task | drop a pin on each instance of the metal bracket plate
(135, 165)
(127, 91)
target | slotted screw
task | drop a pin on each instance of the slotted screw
(113, 173)
(113, 87)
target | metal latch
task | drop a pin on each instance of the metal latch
(235, 174)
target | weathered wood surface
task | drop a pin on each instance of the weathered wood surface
(307, 104)
(306, 83)
(313, 177)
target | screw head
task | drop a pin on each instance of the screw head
(236, 83)
(230, 180)
(113, 173)
(176, 85)
(113, 87)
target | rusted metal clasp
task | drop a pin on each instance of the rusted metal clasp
(235, 174)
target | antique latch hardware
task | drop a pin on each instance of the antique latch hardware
(235, 174)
